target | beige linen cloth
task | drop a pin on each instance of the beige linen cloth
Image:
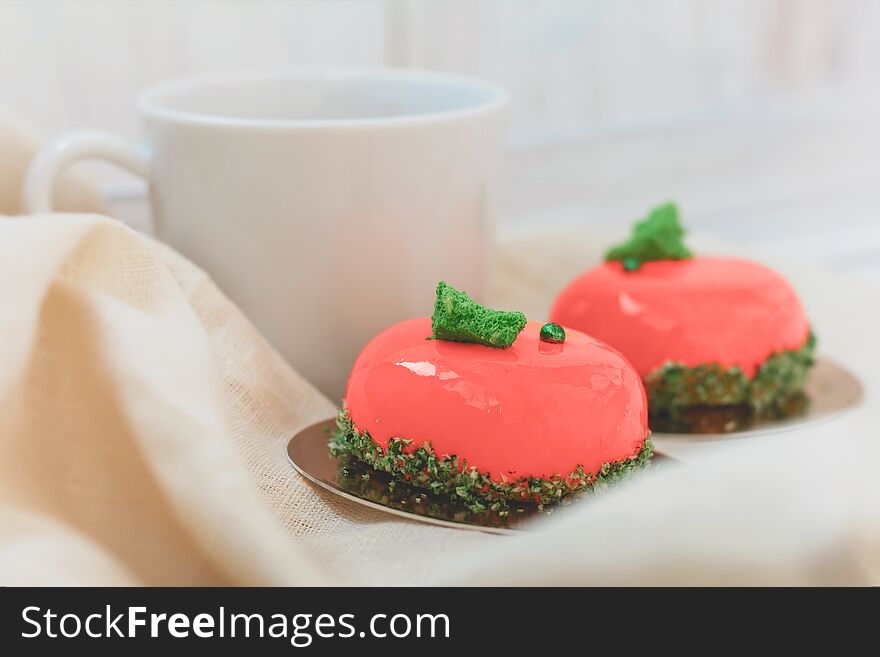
(143, 424)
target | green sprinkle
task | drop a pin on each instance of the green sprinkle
(458, 318)
(656, 237)
(553, 333)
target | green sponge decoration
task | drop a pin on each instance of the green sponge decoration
(656, 237)
(458, 318)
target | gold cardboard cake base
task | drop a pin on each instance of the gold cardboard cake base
(359, 483)
(830, 389)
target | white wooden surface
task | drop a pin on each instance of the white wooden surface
(804, 188)
(576, 68)
(593, 66)
(74, 62)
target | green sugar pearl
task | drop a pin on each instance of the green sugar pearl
(553, 333)
(631, 264)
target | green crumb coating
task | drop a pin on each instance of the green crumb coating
(458, 318)
(673, 388)
(656, 237)
(452, 477)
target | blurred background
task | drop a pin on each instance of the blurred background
(760, 117)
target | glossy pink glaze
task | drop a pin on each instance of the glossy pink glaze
(704, 310)
(535, 409)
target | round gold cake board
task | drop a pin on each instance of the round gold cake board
(830, 390)
(309, 454)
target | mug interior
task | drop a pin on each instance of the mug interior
(291, 98)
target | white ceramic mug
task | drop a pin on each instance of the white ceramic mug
(327, 205)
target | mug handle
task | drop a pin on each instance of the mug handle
(67, 149)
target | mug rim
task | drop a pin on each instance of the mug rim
(149, 106)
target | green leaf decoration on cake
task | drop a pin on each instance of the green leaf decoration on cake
(656, 237)
(458, 318)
